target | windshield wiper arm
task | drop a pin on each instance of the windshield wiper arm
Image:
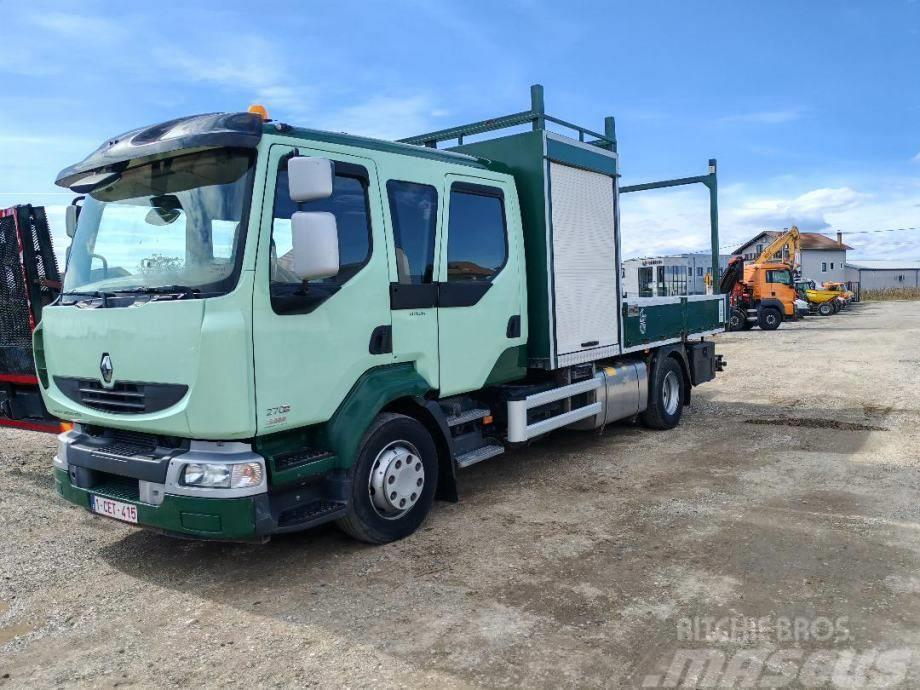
(178, 290)
(91, 294)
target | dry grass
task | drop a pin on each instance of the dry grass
(889, 294)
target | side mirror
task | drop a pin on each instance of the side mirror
(315, 240)
(71, 214)
(309, 179)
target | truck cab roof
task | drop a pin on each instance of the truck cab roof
(237, 130)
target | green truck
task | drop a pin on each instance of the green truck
(264, 328)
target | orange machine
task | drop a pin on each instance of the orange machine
(763, 292)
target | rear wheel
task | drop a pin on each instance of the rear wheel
(769, 319)
(392, 481)
(665, 395)
(825, 309)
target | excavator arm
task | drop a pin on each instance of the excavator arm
(789, 239)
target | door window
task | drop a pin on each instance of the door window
(414, 209)
(349, 205)
(477, 245)
(783, 277)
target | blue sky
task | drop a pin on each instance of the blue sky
(812, 108)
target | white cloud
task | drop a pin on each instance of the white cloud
(74, 25)
(385, 117)
(808, 211)
(916, 159)
(658, 223)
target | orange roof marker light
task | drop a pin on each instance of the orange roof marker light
(259, 110)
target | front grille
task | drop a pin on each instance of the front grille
(122, 397)
(116, 487)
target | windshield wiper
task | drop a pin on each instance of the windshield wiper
(90, 294)
(177, 291)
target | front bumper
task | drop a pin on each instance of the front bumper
(164, 505)
(234, 519)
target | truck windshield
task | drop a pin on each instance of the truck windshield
(172, 225)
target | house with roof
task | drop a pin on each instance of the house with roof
(820, 258)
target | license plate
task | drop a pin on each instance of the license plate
(114, 509)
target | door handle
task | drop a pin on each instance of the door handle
(381, 340)
(514, 327)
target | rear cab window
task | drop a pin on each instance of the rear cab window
(477, 236)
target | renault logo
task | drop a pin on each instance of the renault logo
(106, 368)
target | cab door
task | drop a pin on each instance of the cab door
(312, 341)
(779, 286)
(482, 320)
(415, 211)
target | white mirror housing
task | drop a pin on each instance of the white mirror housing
(310, 179)
(315, 240)
(70, 219)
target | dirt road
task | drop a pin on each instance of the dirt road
(788, 495)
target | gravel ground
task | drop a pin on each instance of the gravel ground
(788, 496)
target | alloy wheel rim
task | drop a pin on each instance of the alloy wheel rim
(670, 393)
(396, 480)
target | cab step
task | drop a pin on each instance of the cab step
(479, 454)
(468, 416)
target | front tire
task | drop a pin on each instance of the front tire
(825, 309)
(392, 481)
(769, 319)
(665, 395)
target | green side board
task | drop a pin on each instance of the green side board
(648, 323)
(342, 434)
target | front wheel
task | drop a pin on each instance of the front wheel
(392, 481)
(665, 395)
(769, 319)
(825, 309)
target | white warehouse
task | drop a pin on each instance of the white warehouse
(662, 276)
(882, 275)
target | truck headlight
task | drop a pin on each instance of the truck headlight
(222, 475)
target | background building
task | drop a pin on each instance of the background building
(661, 276)
(880, 275)
(820, 258)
